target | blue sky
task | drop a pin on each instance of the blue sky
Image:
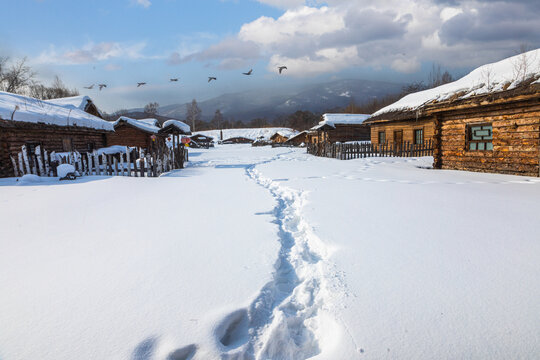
(123, 42)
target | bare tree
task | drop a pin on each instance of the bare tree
(522, 63)
(193, 114)
(16, 78)
(217, 120)
(57, 90)
(151, 108)
(437, 77)
(487, 75)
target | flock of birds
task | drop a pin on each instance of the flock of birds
(210, 78)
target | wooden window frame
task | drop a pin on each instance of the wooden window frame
(468, 137)
(414, 136)
(383, 132)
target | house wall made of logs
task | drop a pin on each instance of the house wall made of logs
(406, 128)
(515, 133)
(127, 135)
(345, 132)
(13, 135)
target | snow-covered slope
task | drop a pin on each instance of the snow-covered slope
(252, 134)
(490, 78)
(32, 110)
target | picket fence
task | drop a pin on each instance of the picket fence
(134, 162)
(362, 150)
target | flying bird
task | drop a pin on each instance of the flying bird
(210, 78)
(249, 72)
(281, 68)
(174, 79)
(140, 84)
(101, 86)
(89, 87)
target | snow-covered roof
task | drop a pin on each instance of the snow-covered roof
(341, 119)
(46, 112)
(253, 134)
(491, 78)
(147, 125)
(79, 102)
(177, 124)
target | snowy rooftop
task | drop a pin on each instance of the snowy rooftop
(177, 124)
(341, 119)
(79, 102)
(47, 112)
(148, 125)
(491, 78)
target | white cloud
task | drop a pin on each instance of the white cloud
(143, 3)
(406, 65)
(449, 12)
(91, 53)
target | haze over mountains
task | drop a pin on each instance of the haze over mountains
(269, 104)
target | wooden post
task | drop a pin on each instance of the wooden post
(104, 161)
(115, 166)
(79, 163)
(25, 158)
(128, 161)
(15, 169)
(148, 165)
(40, 161)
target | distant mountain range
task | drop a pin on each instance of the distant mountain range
(249, 105)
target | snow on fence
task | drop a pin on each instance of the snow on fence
(129, 161)
(362, 150)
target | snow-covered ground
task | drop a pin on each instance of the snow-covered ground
(269, 253)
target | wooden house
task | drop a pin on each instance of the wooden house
(83, 103)
(278, 138)
(478, 123)
(402, 127)
(237, 140)
(202, 140)
(32, 122)
(143, 133)
(340, 128)
(298, 139)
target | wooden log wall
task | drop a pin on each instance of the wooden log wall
(14, 136)
(345, 133)
(408, 127)
(127, 135)
(516, 139)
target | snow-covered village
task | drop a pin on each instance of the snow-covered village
(269, 180)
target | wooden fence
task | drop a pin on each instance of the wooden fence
(133, 162)
(362, 150)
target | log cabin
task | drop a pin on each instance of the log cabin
(202, 140)
(340, 128)
(298, 139)
(278, 138)
(32, 122)
(143, 133)
(488, 121)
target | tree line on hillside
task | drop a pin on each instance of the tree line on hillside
(18, 78)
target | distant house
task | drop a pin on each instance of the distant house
(83, 103)
(298, 139)
(202, 140)
(340, 128)
(143, 133)
(53, 127)
(278, 138)
(237, 140)
(478, 123)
